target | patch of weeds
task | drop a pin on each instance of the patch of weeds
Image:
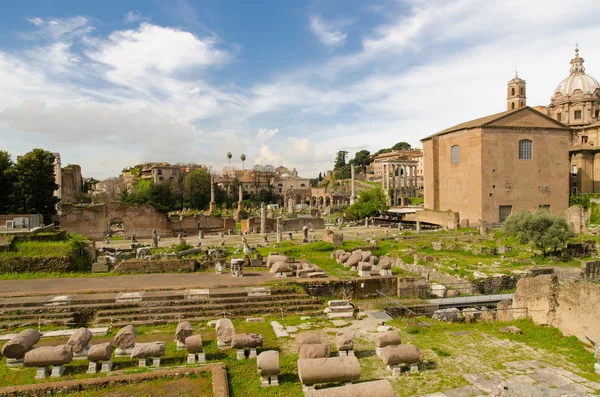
(441, 352)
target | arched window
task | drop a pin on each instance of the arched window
(513, 91)
(302, 185)
(525, 149)
(455, 154)
(512, 105)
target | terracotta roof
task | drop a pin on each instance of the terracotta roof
(483, 121)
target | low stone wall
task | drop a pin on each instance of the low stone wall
(431, 274)
(37, 264)
(360, 288)
(156, 266)
(192, 224)
(590, 270)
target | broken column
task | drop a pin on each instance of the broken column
(14, 350)
(345, 342)
(263, 219)
(100, 353)
(290, 205)
(394, 356)
(312, 371)
(379, 388)
(353, 194)
(243, 341)
(225, 331)
(212, 207)
(195, 348)
(46, 356)
(267, 364)
(364, 269)
(314, 350)
(143, 351)
(237, 267)
(80, 341)
(307, 338)
(388, 338)
(279, 229)
(183, 330)
(124, 340)
(304, 234)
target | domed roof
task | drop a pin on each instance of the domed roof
(577, 80)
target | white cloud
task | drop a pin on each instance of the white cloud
(264, 134)
(268, 157)
(36, 21)
(326, 33)
(134, 16)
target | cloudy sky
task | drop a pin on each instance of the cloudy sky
(110, 84)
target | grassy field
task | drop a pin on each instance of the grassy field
(450, 351)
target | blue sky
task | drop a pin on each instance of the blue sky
(114, 83)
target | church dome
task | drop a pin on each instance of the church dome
(577, 80)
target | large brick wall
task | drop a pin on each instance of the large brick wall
(93, 221)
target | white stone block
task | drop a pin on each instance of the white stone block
(191, 359)
(42, 372)
(142, 363)
(240, 354)
(92, 367)
(106, 366)
(252, 353)
(156, 362)
(57, 371)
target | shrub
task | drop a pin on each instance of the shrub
(542, 229)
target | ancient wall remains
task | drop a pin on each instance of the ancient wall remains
(37, 264)
(296, 224)
(576, 217)
(447, 219)
(252, 225)
(156, 266)
(192, 224)
(360, 288)
(571, 306)
(94, 221)
(590, 270)
(71, 184)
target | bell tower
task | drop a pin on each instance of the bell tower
(516, 97)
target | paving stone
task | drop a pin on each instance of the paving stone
(522, 365)
(577, 387)
(482, 382)
(568, 374)
(593, 385)
(550, 378)
(339, 323)
(466, 391)
(525, 379)
(291, 329)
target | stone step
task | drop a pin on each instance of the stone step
(44, 316)
(204, 307)
(165, 318)
(33, 322)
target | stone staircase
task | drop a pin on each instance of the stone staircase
(154, 307)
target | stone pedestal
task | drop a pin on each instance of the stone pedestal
(266, 381)
(414, 368)
(57, 371)
(346, 352)
(192, 358)
(396, 370)
(92, 367)
(223, 345)
(106, 366)
(142, 363)
(180, 346)
(14, 362)
(364, 273)
(252, 353)
(240, 354)
(42, 372)
(385, 272)
(156, 362)
(378, 351)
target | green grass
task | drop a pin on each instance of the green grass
(39, 249)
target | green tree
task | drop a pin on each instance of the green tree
(33, 186)
(401, 146)
(243, 158)
(362, 159)
(382, 151)
(370, 203)
(340, 160)
(197, 189)
(545, 231)
(6, 182)
(140, 194)
(162, 197)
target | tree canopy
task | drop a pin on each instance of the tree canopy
(545, 231)
(401, 146)
(33, 186)
(370, 203)
(340, 160)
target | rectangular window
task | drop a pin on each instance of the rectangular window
(559, 116)
(584, 139)
(577, 115)
(597, 113)
(455, 154)
(504, 212)
(525, 149)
